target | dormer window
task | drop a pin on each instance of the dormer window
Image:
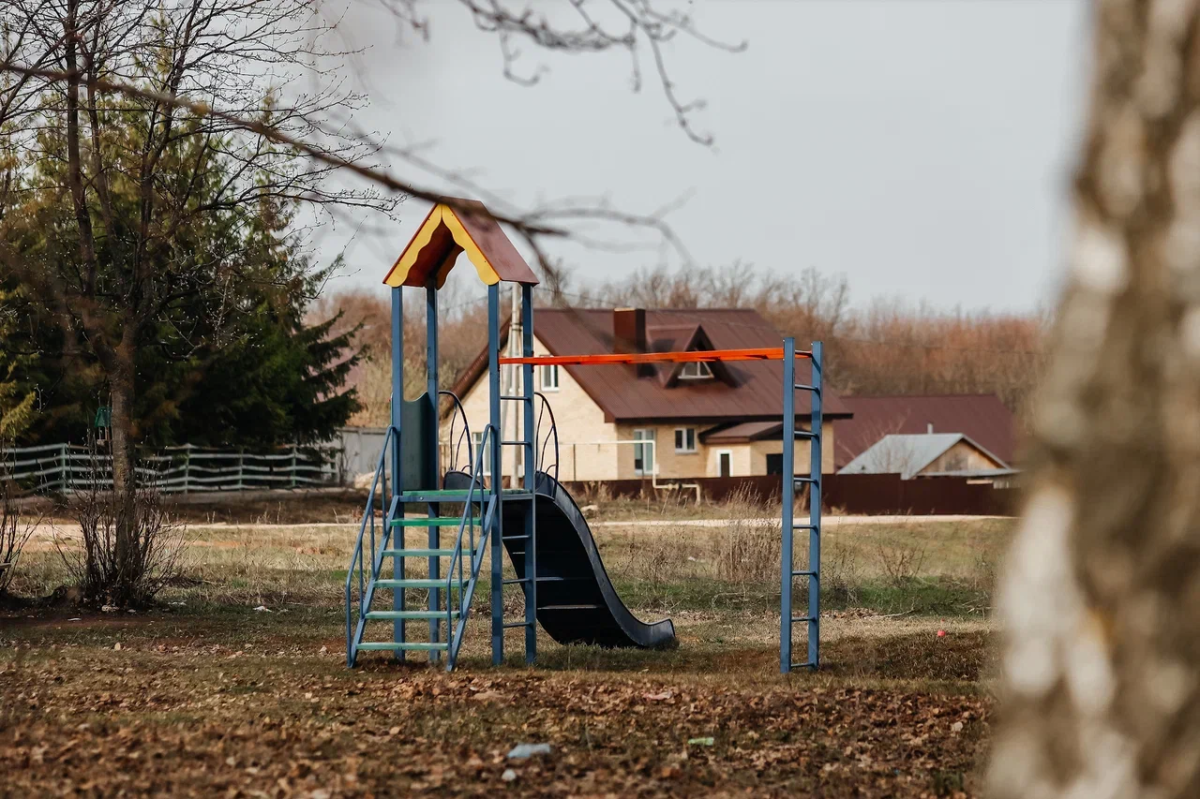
(695, 370)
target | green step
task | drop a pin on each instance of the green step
(394, 646)
(434, 521)
(414, 584)
(396, 615)
(449, 494)
(424, 553)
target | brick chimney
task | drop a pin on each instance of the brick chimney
(629, 335)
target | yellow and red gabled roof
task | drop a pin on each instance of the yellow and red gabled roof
(458, 227)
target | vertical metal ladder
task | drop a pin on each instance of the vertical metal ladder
(528, 491)
(812, 570)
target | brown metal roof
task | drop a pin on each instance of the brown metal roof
(448, 230)
(982, 417)
(745, 431)
(754, 390)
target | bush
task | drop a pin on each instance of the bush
(747, 550)
(13, 536)
(130, 549)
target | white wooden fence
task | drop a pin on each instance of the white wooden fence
(68, 467)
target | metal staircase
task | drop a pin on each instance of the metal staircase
(812, 570)
(384, 541)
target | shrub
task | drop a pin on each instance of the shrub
(748, 547)
(13, 536)
(130, 550)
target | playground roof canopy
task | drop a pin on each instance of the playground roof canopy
(454, 227)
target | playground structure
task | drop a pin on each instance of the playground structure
(557, 565)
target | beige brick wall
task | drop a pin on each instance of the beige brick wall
(589, 448)
(578, 420)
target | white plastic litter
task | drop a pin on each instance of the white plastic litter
(526, 751)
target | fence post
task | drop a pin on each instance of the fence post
(241, 460)
(293, 465)
(187, 466)
(65, 478)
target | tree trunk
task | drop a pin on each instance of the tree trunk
(124, 472)
(1101, 595)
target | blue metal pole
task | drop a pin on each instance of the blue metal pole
(431, 393)
(397, 482)
(814, 514)
(789, 498)
(530, 477)
(497, 477)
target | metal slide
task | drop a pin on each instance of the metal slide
(576, 600)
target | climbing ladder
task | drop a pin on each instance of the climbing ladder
(527, 493)
(812, 569)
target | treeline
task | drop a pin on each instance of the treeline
(887, 347)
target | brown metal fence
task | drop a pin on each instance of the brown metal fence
(855, 494)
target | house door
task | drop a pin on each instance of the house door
(643, 454)
(725, 464)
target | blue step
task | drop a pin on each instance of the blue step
(444, 584)
(396, 615)
(395, 646)
(424, 553)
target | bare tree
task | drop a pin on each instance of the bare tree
(1102, 654)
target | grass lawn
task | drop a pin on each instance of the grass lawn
(204, 695)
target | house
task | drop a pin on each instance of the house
(929, 455)
(981, 417)
(660, 421)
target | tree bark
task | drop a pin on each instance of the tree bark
(1100, 600)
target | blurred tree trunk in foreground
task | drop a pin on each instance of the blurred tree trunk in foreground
(1101, 598)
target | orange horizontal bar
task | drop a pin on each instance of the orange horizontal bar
(706, 356)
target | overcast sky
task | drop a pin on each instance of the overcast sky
(919, 147)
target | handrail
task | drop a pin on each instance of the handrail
(356, 560)
(543, 408)
(489, 434)
(466, 433)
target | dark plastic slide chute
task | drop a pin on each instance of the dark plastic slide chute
(576, 600)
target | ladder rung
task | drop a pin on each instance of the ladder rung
(512, 624)
(514, 537)
(808, 664)
(806, 480)
(516, 443)
(516, 397)
(423, 553)
(805, 573)
(410, 614)
(445, 584)
(805, 434)
(798, 619)
(568, 607)
(806, 527)
(802, 387)
(401, 645)
(540, 580)
(433, 521)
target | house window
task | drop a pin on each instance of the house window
(774, 463)
(695, 370)
(725, 463)
(550, 377)
(685, 439)
(643, 454)
(487, 456)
